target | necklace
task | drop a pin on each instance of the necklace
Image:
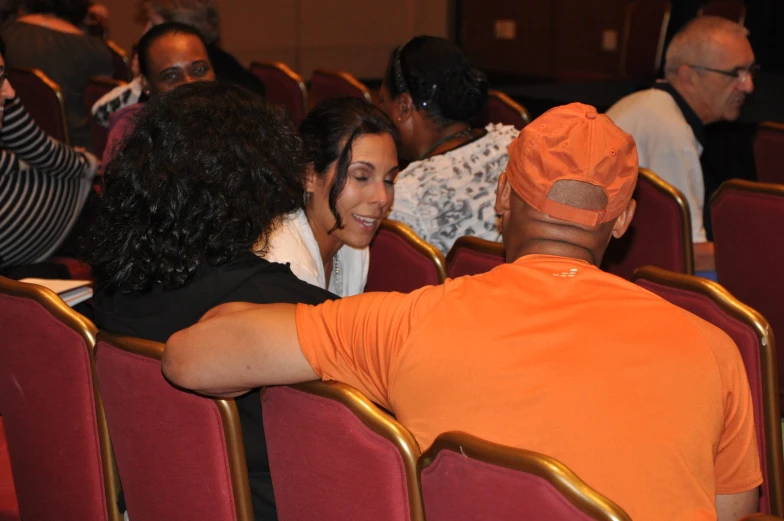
(337, 275)
(450, 137)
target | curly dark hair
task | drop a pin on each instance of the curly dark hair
(72, 11)
(202, 178)
(328, 132)
(439, 78)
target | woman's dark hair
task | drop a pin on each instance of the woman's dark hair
(2, 47)
(328, 132)
(202, 178)
(72, 11)
(439, 78)
(155, 33)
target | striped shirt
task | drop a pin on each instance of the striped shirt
(43, 186)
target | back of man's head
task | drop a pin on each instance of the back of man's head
(568, 185)
(697, 42)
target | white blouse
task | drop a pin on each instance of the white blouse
(292, 242)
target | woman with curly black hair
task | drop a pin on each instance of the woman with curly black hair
(351, 155)
(433, 94)
(206, 171)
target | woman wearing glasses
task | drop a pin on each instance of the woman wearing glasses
(43, 187)
(432, 93)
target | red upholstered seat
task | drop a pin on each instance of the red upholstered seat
(503, 109)
(325, 84)
(43, 100)
(749, 247)
(769, 152)
(120, 62)
(472, 255)
(464, 478)
(334, 455)
(95, 89)
(752, 334)
(54, 426)
(730, 9)
(401, 261)
(284, 87)
(660, 232)
(179, 455)
(9, 508)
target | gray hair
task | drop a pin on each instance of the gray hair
(202, 15)
(694, 43)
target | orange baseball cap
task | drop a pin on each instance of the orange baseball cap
(573, 142)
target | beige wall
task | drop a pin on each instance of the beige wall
(352, 35)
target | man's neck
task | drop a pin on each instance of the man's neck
(696, 103)
(556, 249)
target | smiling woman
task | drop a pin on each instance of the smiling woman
(351, 150)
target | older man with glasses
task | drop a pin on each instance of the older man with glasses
(709, 72)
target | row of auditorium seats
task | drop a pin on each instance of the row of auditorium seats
(73, 398)
(44, 101)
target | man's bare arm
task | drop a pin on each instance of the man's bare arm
(229, 353)
(731, 507)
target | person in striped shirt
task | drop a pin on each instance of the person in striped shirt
(43, 184)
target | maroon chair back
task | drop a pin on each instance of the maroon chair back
(58, 443)
(284, 87)
(325, 84)
(503, 109)
(660, 232)
(95, 89)
(748, 247)
(472, 255)
(756, 343)
(43, 100)
(9, 507)
(334, 455)
(180, 455)
(769, 152)
(120, 62)
(644, 31)
(401, 261)
(464, 478)
(730, 9)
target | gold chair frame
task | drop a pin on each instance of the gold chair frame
(235, 447)
(348, 78)
(285, 69)
(627, 36)
(57, 91)
(468, 242)
(747, 186)
(512, 104)
(425, 248)
(380, 422)
(574, 489)
(52, 303)
(683, 206)
(768, 360)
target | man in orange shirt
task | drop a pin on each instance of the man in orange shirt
(645, 402)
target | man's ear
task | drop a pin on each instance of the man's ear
(624, 220)
(503, 195)
(145, 85)
(686, 75)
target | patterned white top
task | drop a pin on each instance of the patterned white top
(450, 195)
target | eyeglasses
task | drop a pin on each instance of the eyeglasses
(738, 73)
(3, 77)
